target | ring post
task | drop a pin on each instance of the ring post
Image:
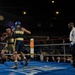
(32, 47)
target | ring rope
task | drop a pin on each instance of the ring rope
(43, 44)
(46, 54)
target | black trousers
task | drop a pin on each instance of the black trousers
(73, 54)
(19, 46)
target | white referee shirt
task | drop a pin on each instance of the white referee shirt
(72, 36)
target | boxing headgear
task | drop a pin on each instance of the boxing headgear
(17, 23)
(8, 29)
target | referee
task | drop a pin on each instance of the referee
(72, 40)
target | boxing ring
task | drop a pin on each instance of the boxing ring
(37, 67)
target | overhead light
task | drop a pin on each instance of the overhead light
(52, 1)
(24, 12)
(57, 12)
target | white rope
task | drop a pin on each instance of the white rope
(3, 43)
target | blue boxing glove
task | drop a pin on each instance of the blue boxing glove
(12, 27)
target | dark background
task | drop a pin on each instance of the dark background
(40, 18)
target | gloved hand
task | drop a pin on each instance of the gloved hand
(71, 44)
